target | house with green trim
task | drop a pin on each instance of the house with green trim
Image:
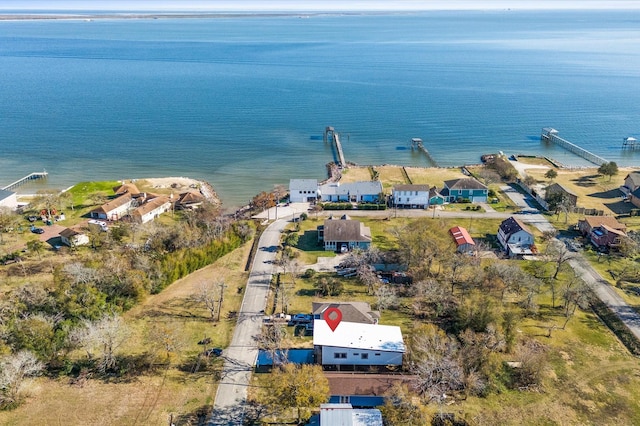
(465, 189)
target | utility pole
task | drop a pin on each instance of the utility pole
(222, 287)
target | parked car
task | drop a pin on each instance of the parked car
(37, 230)
(213, 352)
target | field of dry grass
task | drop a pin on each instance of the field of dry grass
(593, 190)
(149, 399)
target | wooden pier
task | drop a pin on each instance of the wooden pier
(32, 176)
(630, 143)
(416, 143)
(335, 138)
(551, 135)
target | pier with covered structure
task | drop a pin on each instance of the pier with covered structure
(550, 134)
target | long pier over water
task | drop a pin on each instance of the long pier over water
(550, 134)
(32, 176)
(336, 140)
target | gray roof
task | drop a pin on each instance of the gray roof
(303, 184)
(351, 311)
(372, 187)
(513, 225)
(423, 188)
(4, 194)
(556, 186)
(635, 178)
(345, 230)
(464, 183)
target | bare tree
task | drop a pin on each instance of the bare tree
(271, 340)
(386, 298)
(14, 369)
(559, 254)
(576, 294)
(434, 359)
(101, 339)
(8, 219)
(210, 296)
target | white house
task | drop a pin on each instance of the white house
(355, 344)
(303, 190)
(8, 199)
(411, 196)
(346, 415)
(114, 209)
(73, 237)
(152, 209)
(354, 192)
(515, 237)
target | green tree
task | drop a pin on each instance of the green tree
(297, 386)
(35, 246)
(551, 174)
(608, 169)
(400, 409)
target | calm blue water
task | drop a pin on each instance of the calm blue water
(242, 102)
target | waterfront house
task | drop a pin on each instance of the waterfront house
(127, 188)
(354, 192)
(465, 189)
(342, 235)
(435, 198)
(559, 194)
(631, 183)
(410, 196)
(355, 344)
(359, 312)
(114, 209)
(515, 237)
(73, 237)
(603, 232)
(8, 199)
(189, 200)
(303, 190)
(463, 240)
(151, 209)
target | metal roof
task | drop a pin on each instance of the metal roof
(461, 236)
(387, 338)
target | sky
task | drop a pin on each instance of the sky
(309, 5)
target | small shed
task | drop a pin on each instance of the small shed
(463, 240)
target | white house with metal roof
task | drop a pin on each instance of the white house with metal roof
(303, 190)
(357, 344)
(355, 192)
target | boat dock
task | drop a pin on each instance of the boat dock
(630, 143)
(416, 143)
(32, 176)
(335, 138)
(551, 135)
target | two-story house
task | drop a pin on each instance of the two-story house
(303, 190)
(465, 189)
(410, 196)
(342, 235)
(515, 237)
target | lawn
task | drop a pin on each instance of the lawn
(593, 190)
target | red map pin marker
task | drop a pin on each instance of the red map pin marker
(332, 316)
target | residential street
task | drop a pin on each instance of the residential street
(240, 356)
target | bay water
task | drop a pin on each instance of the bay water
(243, 101)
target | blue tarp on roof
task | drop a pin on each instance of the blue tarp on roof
(359, 401)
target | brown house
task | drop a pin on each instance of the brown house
(557, 190)
(359, 312)
(604, 232)
(342, 235)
